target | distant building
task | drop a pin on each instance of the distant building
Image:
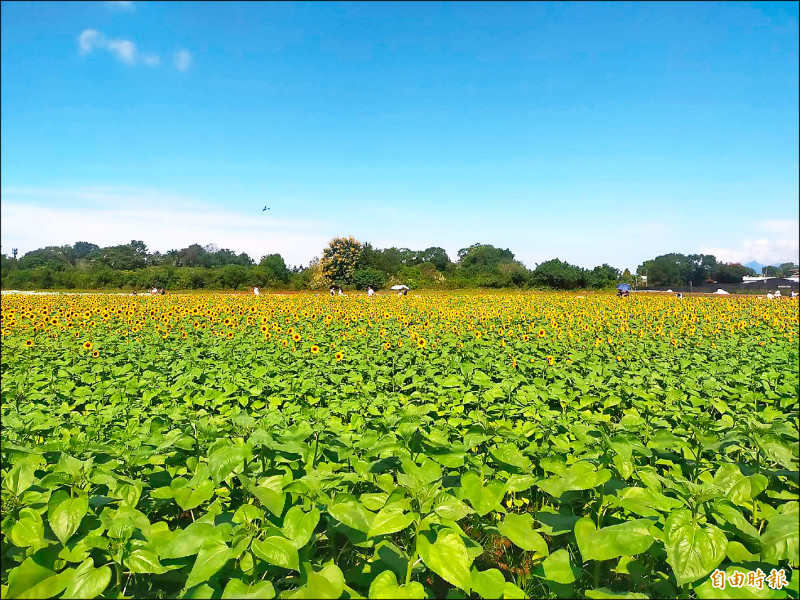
(770, 283)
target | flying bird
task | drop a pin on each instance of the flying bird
(265, 208)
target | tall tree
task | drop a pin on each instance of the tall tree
(84, 249)
(340, 259)
(482, 257)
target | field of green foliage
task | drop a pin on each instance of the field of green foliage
(526, 445)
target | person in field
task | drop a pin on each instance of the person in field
(256, 291)
(370, 291)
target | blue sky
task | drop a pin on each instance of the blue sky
(589, 132)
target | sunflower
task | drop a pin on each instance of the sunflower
(29, 343)
(541, 333)
(550, 360)
(339, 356)
(314, 349)
(525, 337)
(619, 358)
(96, 353)
(421, 342)
(184, 335)
(87, 345)
(296, 337)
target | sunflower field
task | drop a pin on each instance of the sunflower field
(535, 445)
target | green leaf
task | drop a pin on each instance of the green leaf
(385, 586)
(725, 512)
(223, 461)
(508, 454)
(211, 558)
(484, 498)
(65, 513)
(28, 530)
(324, 585)
(625, 539)
(237, 588)
(519, 529)
(270, 493)
(31, 580)
(489, 583)
(580, 476)
(781, 539)
(247, 513)
(86, 581)
(22, 475)
(736, 552)
(277, 551)
(389, 520)
(192, 496)
(449, 507)
(448, 558)
(353, 514)
(299, 526)
(512, 592)
(693, 550)
(187, 542)
(557, 567)
(144, 561)
(554, 524)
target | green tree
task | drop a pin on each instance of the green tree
(55, 258)
(340, 258)
(275, 267)
(363, 278)
(483, 257)
(194, 256)
(730, 272)
(671, 269)
(559, 275)
(436, 256)
(83, 250)
(603, 276)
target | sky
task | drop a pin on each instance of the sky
(589, 132)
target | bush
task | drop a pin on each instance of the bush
(363, 278)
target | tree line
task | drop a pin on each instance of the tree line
(345, 262)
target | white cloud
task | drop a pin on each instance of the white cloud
(121, 4)
(777, 243)
(37, 217)
(88, 39)
(183, 60)
(123, 50)
(151, 60)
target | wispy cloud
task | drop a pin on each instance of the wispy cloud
(121, 5)
(37, 217)
(123, 50)
(775, 242)
(183, 60)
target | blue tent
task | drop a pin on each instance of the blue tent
(624, 287)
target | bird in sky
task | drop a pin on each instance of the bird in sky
(265, 208)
